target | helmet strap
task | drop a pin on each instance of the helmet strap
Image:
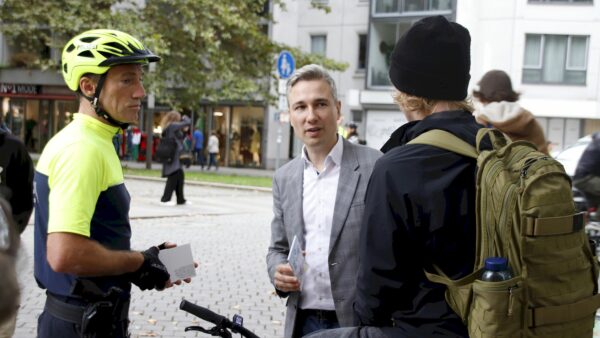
(95, 101)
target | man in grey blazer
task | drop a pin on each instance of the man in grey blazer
(318, 198)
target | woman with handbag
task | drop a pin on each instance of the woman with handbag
(172, 125)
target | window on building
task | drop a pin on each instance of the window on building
(400, 6)
(362, 51)
(562, 1)
(27, 54)
(560, 59)
(318, 44)
(382, 40)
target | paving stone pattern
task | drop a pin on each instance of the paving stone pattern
(229, 231)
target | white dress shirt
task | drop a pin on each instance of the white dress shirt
(318, 201)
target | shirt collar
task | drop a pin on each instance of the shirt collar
(335, 155)
(97, 125)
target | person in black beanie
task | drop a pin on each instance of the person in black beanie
(420, 201)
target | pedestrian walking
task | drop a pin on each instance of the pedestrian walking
(317, 203)
(173, 126)
(499, 109)
(351, 133)
(198, 147)
(136, 139)
(82, 231)
(3, 125)
(587, 173)
(213, 151)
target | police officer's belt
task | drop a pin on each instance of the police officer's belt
(74, 313)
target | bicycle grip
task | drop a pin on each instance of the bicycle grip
(201, 312)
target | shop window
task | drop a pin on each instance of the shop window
(28, 54)
(555, 59)
(561, 1)
(246, 137)
(220, 124)
(383, 38)
(400, 6)
(318, 44)
(362, 52)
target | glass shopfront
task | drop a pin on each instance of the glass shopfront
(240, 133)
(34, 120)
(239, 129)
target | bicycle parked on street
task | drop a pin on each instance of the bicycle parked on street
(223, 326)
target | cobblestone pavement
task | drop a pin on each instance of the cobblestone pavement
(229, 233)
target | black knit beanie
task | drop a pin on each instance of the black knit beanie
(432, 60)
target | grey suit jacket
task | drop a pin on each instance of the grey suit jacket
(356, 167)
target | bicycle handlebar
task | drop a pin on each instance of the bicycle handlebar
(214, 318)
(201, 312)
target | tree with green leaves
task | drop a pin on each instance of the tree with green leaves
(211, 50)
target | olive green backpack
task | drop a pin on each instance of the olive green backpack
(525, 212)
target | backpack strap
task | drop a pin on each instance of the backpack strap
(441, 278)
(496, 137)
(563, 313)
(445, 140)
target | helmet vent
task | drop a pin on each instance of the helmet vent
(106, 54)
(70, 48)
(117, 45)
(86, 54)
(65, 68)
(89, 39)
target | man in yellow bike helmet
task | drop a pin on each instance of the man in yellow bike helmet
(82, 232)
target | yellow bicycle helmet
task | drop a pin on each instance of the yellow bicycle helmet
(95, 51)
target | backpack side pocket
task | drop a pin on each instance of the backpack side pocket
(497, 309)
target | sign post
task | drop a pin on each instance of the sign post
(150, 124)
(285, 68)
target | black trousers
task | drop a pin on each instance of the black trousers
(52, 327)
(174, 183)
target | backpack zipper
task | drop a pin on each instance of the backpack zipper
(511, 300)
(529, 163)
(493, 172)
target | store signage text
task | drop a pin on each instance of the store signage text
(9, 88)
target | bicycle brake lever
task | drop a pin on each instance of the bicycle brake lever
(215, 331)
(194, 328)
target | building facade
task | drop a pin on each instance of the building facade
(36, 104)
(33, 104)
(340, 35)
(548, 47)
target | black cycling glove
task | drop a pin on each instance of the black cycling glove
(153, 273)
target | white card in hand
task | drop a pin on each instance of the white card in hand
(179, 261)
(296, 259)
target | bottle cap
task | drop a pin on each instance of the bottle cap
(496, 263)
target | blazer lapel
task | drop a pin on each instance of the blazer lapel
(295, 189)
(347, 184)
